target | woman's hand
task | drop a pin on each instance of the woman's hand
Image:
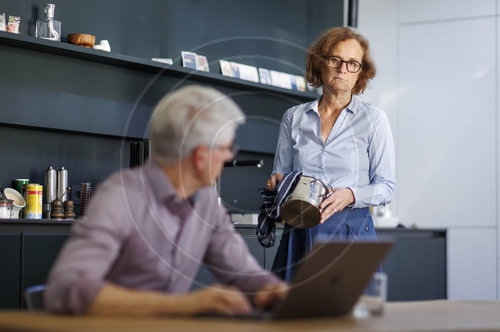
(336, 202)
(273, 180)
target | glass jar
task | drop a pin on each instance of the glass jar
(5, 208)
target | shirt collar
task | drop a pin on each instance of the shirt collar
(352, 107)
(161, 185)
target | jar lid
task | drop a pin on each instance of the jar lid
(6, 202)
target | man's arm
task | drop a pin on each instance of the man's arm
(116, 300)
(230, 260)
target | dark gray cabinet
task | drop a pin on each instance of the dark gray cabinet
(416, 264)
(29, 249)
(10, 277)
(39, 252)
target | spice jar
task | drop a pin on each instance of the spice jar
(5, 208)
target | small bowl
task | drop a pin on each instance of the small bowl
(81, 39)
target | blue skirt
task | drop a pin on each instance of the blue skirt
(296, 243)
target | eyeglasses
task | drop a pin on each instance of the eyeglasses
(233, 148)
(336, 62)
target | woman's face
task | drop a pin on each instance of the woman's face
(339, 79)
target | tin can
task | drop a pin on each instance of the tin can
(34, 196)
(20, 186)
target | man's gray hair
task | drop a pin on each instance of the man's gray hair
(189, 117)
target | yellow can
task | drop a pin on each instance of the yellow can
(34, 195)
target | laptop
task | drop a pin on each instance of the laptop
(330, 280)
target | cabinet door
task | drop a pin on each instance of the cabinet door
(39, 253)
(10, 261)
(416, 269)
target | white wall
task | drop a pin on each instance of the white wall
(438, 62)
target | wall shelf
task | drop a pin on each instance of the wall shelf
(146, 65)
(80, 108)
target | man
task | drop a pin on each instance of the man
(148, 229)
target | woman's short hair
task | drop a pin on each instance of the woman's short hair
(189, 117)
(322, 47)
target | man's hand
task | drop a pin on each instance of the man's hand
(216, 299)
(269, 295)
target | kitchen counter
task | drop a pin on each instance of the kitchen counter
(42, 226)
(30, 224)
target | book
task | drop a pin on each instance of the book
(265, 76)
(168, 61)
(301, 83)
(281, 80)
(202, 63)
(235, 69)
(188, 59)
(247, 72)
(225, 68)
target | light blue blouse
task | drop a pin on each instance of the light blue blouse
(358, 154)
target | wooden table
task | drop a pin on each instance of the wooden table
(399, 316)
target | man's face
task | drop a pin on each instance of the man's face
(217, 156)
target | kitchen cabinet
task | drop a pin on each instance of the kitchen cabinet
(38, 254)
(29, 248)
(416, 264)
(10, 278)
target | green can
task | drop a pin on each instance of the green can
(20, 186)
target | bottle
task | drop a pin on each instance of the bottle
(48, 28)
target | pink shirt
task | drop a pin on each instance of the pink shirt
(140, 234)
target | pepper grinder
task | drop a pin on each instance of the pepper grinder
(69, 205)
(57, 209)
(68, 210)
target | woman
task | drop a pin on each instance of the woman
(339, 139)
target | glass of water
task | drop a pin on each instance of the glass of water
(372, 301)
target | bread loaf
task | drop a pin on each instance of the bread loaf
(81, 39)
